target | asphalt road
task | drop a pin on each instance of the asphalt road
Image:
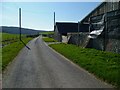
(41, 67)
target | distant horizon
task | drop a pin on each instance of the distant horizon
(26, 28)
(42, 29)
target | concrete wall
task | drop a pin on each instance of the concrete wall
(57, 35)
(109, 40)
(77, 39)
(100, 43)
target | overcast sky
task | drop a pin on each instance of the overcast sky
(39, 15)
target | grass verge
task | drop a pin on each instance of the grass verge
(10, 51)
(105, 65)
(49, 39)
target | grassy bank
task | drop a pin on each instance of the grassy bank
(49, 39)
(7, 36)
(104, 65)
(10, 51)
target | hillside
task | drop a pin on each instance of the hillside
(15, 30)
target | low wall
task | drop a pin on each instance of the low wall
(108, 40)
(77, 39)
(100, 43)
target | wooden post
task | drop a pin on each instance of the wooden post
(78, 34)
(20, 28)
(20, 22)
(54, 21)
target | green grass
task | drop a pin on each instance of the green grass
(47, 32)
(6, 36)
(10, 51)
(105, 65)
(49, 39)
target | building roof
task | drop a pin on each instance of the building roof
(98, 7)
(84, 19)
(68, 27)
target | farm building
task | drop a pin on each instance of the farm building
(102, 8)
(104, 27)
(100, 29)
(63, 28)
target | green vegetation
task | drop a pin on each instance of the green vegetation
(47, 32)
(49, 39)
(12, 46)
(6, 36)
(105, 65)
(10, 51)
(10, 38)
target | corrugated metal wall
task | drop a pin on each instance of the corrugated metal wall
(106, 7)
(102, 8)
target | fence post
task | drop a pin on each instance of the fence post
(78, 34)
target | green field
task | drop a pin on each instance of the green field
(6, 36)
(12, 49)
(49, 39)
(47, 32)
(10, 38)
(105, 65)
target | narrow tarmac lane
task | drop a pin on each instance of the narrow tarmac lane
(41, 67)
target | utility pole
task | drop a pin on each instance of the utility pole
(20, 28)
(78, 34)
(20, 22)
(54, 36)
(54, 21)
(54, 18)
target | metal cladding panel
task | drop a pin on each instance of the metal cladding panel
(103, 8)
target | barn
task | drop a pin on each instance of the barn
(104, 7)
(100, 29)
(63, 28)
(104, 21)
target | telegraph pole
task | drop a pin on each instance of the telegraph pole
(78, 34)
(20, 22)
(54, 20)
(20, 28)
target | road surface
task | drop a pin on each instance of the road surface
(41, 67)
